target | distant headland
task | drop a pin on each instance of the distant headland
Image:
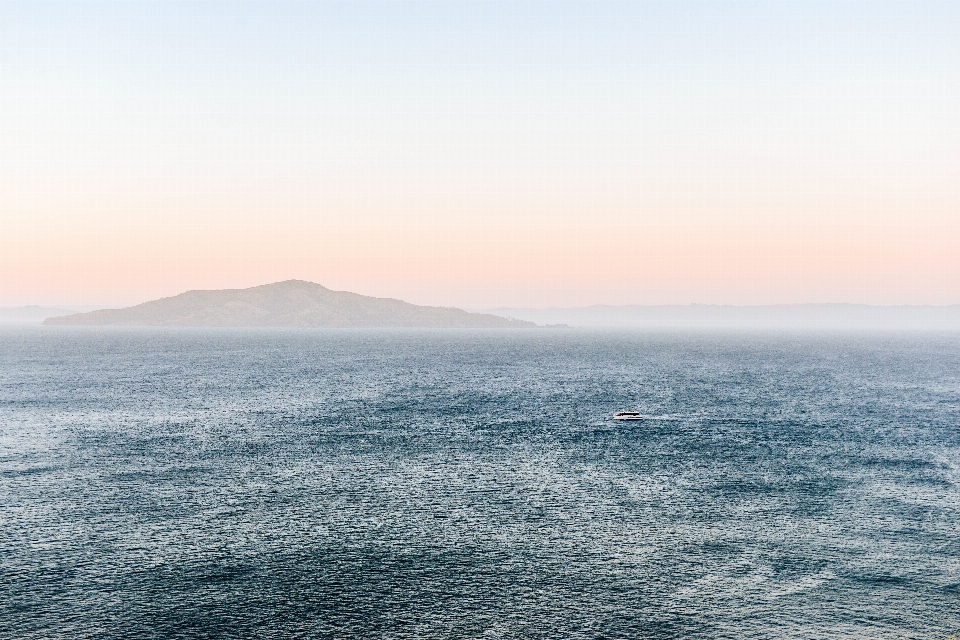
(292, 303)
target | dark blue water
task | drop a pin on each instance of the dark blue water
(445, 484)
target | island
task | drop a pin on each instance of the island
(292, 303)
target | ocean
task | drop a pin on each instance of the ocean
(171, 483)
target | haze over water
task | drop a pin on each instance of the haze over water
(285, 483)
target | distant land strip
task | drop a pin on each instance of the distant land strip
(820, 317)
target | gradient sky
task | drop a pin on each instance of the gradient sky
(482, 153)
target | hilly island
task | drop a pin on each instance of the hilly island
(292, 303)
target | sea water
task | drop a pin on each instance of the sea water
(161, 483)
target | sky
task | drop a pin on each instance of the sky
(482, 154)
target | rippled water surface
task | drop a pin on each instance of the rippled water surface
(456, 484)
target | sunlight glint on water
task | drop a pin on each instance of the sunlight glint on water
(177, 483)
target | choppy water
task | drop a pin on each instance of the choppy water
(275, 484)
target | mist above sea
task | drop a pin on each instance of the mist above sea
(466, 483)
(848, 318)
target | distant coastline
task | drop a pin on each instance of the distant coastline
(297, 303)
(844, 317)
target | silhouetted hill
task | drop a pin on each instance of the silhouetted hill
(293, 303)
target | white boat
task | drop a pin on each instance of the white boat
(627, 415)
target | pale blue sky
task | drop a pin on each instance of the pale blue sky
(767, 134)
